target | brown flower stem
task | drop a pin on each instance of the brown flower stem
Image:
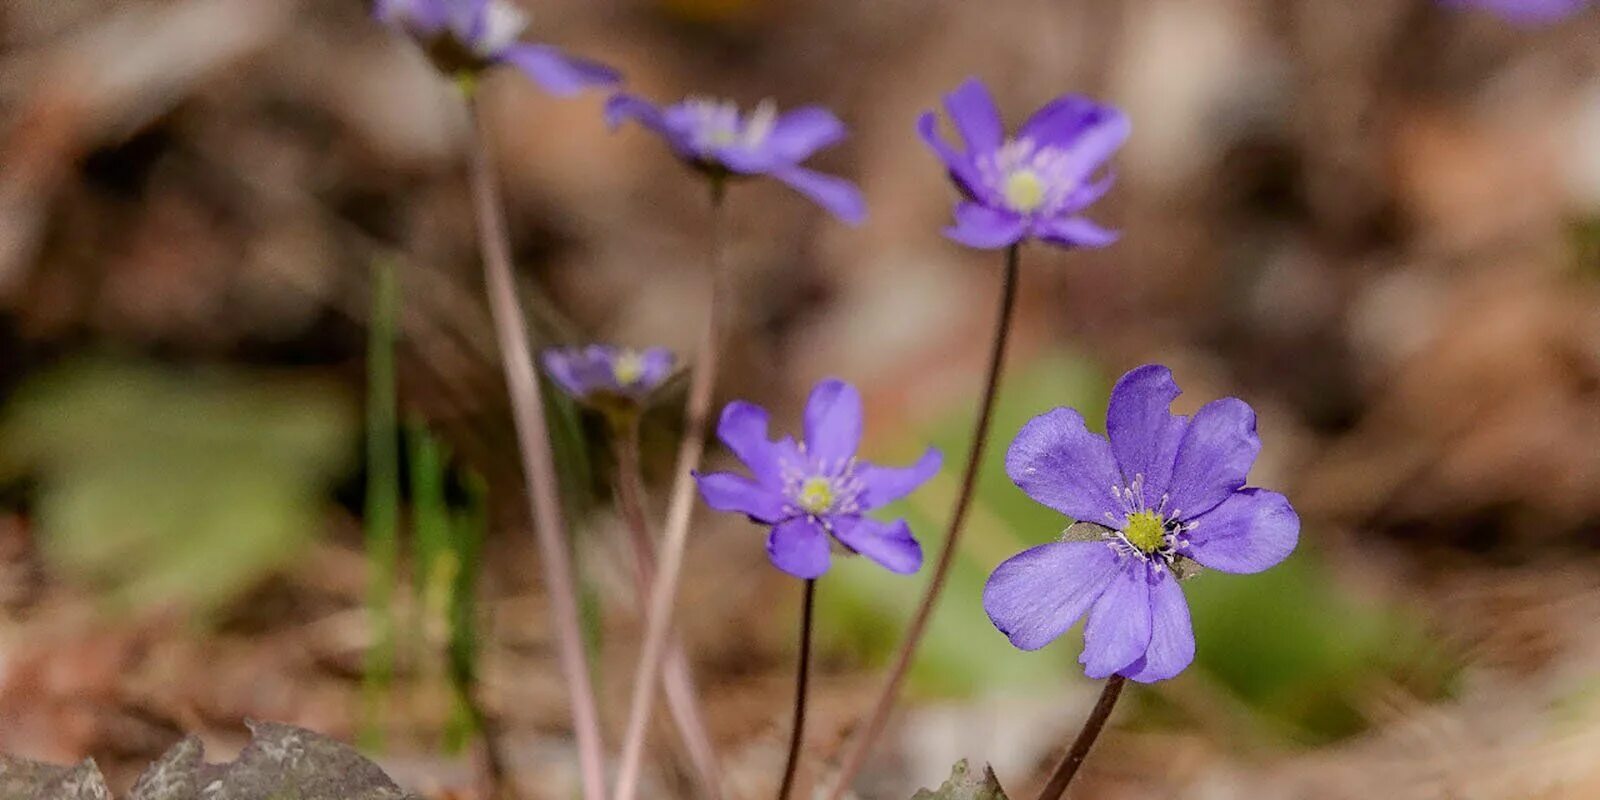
(664, 590)
(533, 440)
(1068, 768)
(856, 757)
(797, 734)
(677, 679)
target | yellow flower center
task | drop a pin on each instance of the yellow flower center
(1145, 531)
(628, 368)
(816, 495)
(1024, 190)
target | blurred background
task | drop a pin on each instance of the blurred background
(1377, 222)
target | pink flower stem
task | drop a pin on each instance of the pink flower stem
(856, 757)
(664, 591)
(533, 439)
(677, 679)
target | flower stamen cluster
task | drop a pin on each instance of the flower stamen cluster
(1032, 179)
(820, 490)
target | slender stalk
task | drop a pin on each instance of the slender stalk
(533, 439)
(802, 680)
(664, 590)
(1068, 768)
(382, 515)
(873, 727)
(677, 679)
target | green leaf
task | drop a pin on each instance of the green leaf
(160, 486)
(963, 785)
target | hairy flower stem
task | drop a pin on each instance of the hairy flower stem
(1068, 768)
(677, 678)
(802, 680)
(873, 727)
(664, 590)
(533, 440)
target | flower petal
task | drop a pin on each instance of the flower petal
(743, 428)
(562, 367)
(594, 368)
(1075, 232)
(622, 107)
(833, 422)
(803, 131)
(1526, 12)
(1172, 634)
(725, 491)
(799, 547)
(1214, 458)
(1059, 463)
(560, 74)
(836, 195)
(1062, 121)
(986, 228)
(888, 543)
(1036, 595)
(658, 363)
(1094, 143)
(423, 18)
(747, 160)
(972, 110)
(1144, 434)
(962, 169)
(1250, 531)
(883, 485)
(1086, 195)
(1118, 631)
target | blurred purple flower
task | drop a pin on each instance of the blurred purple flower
(1162, 491)
(816, 489)
(1527, 12)
(469, 35)
(713, 136)
(608, 375)
(1036, 184)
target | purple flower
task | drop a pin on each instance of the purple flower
(1163, 491)
(1528, 12)
(816, 489)
(470, 35)
(605, 375)
(713, 136)
(1036, 184)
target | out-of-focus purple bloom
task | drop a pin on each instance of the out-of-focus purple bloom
(1036, 184)
(1526, 12)
(715, 137)
(817, 489)
(1160, 491)
(470, 35)
(607, 376)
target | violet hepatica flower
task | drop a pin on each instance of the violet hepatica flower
(816, 490)
(465, 36)
(1036, 184)
(1526, 12)
(608, 376)
(716, 138)
(1164, 490)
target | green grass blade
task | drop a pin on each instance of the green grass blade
(383, 500)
